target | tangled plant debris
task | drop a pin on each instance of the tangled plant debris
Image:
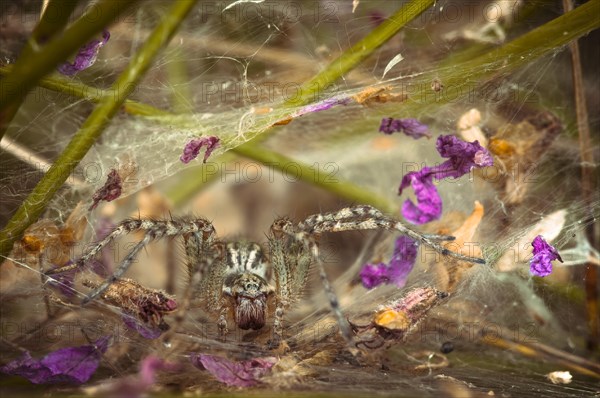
(68, 365)
(377, 311)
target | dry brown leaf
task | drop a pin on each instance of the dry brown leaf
(518, 148)
(378, 95)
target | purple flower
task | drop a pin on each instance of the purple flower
(73, 365)
(322, 106)
(110, 191)
(240, 374)
(146, 330)
(85, 57)
(463, 157)
(429, 202)
(192, 148)
(373, 275)
(543, 255)
(396, 272)
(410, 127)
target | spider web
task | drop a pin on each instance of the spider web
(226, 74)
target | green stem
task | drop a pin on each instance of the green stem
(505, 59)
(317, 175)
(350, 58)
(26, 74)
(192, 179)
(293, 168)
(52, 21)
(91, 129)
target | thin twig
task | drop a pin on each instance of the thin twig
(587, 187)
(33, 160)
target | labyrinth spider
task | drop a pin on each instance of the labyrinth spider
(234, 275)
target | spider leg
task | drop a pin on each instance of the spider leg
(353, 213)
(155, 228)
(127, 261)
(197, 248)
(367, 217)
(278, 325)
(290, 263)
(313, 248)
(280, 257)
(222, 324)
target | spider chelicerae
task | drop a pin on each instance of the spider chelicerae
(239, 280)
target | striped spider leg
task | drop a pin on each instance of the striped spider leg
(198, 233)
(361, 217)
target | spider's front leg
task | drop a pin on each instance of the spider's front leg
(278, 342)
(292, 252)
(364, 217)
(202, 249)
(154, 229)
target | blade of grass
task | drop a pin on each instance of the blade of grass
(26, 73)
(53, 19)
(311, 90)
(517, 53)
(91, 129)
(181, 97)
(317, 176)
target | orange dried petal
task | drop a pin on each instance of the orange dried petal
(501, 148)
(283, 122)
(32, 243)
(391, 319)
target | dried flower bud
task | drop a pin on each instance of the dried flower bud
(110, 191)
(86, 56)
(139, 303)
(543, 255)
(192, 148)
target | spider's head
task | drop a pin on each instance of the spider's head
(249, 293)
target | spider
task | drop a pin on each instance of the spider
(237, 279)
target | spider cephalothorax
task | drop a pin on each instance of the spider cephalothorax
(245, 285)
(236, 278)
(249, 293)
